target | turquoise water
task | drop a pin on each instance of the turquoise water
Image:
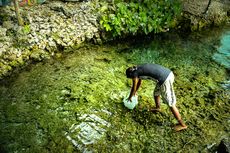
(223, 54)
(73, 102)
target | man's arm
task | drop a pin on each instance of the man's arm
(135, 86)
(138, 84)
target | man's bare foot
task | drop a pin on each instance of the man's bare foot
(180, 127)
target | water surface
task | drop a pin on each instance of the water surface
(74, 103)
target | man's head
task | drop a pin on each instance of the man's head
(130, 72)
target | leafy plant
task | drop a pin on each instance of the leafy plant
(26, 29)
(134, 16)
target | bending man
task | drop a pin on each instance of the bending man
(164, 78)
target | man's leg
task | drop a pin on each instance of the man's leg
(170, 97)
(156, 95)
(157, 103)
(176, 114)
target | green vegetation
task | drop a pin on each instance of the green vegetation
(39, 105)
(26, 29)
(134, 17)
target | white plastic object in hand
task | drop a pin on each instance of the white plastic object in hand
(130, 104)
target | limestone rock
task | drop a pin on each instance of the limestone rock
(2, 32)
(8, 24)
(196, 7)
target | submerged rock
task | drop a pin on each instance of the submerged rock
(89, 131)
(226, 84)
(224, 146)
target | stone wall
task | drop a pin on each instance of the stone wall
(196, 7)
(49, 27)
(206, 12)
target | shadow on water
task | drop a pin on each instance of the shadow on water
(74, 102)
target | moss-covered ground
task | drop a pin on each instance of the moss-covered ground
(39, 105)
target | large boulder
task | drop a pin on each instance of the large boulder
(206, 12)
(196, 7)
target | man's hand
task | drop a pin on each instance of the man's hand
(133, 89)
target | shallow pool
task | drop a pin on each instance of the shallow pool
(73, 102)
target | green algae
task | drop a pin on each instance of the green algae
(39, 105)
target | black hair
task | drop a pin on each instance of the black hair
(130, 72)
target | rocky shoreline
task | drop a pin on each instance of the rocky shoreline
(55, 26)
(50, 27)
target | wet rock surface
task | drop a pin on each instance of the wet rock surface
(91, 129)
